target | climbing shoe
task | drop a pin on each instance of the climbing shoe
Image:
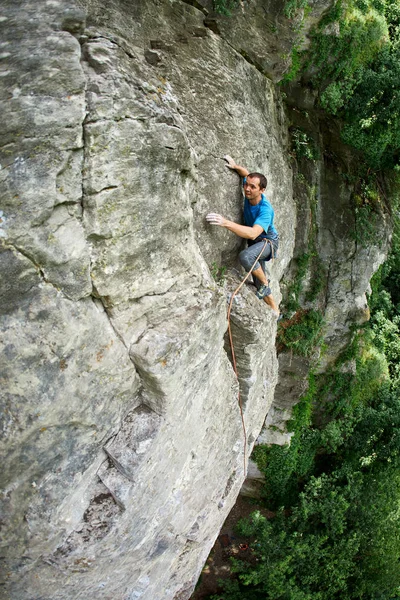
(263, 290)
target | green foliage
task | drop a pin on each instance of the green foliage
(340, 392)
(308, 262)
(365, 224)
(285, 466)
(292, 6)
(385, 307)
(335, 95)
(224, 7)
(296, 286)
(368, 209)
(340, 539)
(386, 336)
(386, 281)
(218, 273)
(354, 61)
(336, 56)
(318, 279)
(303, 333)
(303, 145)
(296, 65)
(372, 113)
(291, 9)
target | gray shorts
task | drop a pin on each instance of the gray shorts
(249, 255)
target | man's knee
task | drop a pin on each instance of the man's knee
(245, 260)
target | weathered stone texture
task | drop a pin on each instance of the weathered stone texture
(122, 430)
(265, 33)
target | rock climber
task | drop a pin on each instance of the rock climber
(258, 227)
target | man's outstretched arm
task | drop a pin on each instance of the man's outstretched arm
(249, 233)
(242, 171)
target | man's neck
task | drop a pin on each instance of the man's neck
(256, 201)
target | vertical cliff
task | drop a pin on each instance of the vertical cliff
(121, 428)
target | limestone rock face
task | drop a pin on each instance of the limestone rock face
(265, 33)
(124, 442)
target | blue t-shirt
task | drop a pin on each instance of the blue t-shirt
(261, 214)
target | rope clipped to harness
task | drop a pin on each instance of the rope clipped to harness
(233, 349)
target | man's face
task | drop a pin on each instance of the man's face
(252, 189)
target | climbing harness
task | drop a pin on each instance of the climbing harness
(267, 241)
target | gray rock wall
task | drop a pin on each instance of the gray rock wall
(122, 431)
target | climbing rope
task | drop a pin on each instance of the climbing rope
(233, 350)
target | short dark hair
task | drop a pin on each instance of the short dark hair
(261, 177)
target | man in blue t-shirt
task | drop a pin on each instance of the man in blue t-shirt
(258, 227)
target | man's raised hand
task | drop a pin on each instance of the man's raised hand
(230, 162)
(215, 219)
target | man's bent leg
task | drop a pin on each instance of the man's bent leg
(271, 302)
(259, 273)
(247, 258)
(249, 255)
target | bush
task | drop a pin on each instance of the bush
(372, 117)
(340, 539)
(338, 57)
(357, 71)
(303, 333)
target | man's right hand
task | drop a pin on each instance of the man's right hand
(215, 219)
(230, 162)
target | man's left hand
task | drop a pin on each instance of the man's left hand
(215, 219)
(231, 163)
